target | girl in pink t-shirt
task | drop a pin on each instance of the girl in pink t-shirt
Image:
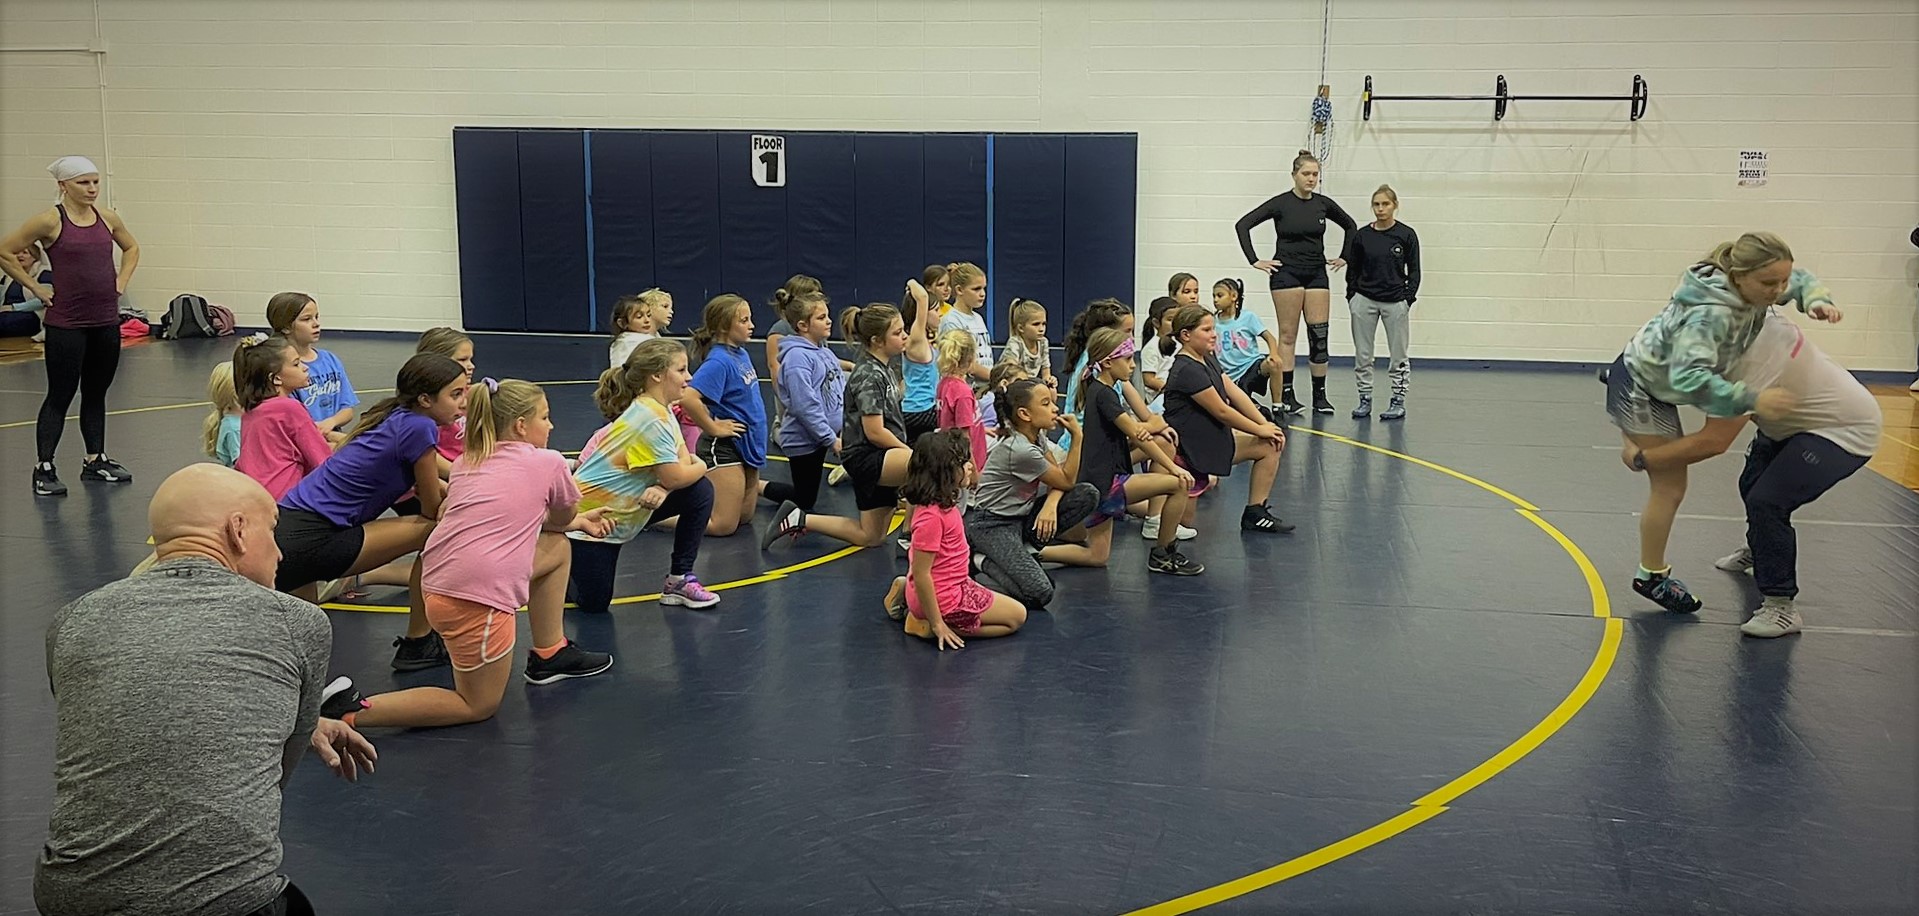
(939, 581)
(279, 444)
(954, 399)
(500, 544)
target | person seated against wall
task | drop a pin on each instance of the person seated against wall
(16, 302)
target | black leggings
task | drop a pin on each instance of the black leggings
(83, 360)
(804, 491)
(595, 562)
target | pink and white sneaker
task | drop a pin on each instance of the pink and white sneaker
(686, 591)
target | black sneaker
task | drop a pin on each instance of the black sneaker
(341, 699)
(46, 482)
(570, 661)
(1290, 404)
(790, 521)
(1261, 518)
(1173, 563)
(1668, 593)
(105, 470)
(1320, 404)
(419, 654)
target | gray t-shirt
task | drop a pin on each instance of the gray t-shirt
(1009, 483)
(183, 696)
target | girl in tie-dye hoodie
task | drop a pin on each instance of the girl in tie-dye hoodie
(1683, 357)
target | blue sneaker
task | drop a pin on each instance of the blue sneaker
(1667, 592)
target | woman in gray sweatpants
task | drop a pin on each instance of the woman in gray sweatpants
(1382, 280)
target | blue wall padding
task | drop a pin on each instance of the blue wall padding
(553, 230)
(622, 217)
(820, 215)
(889, 201)
(555, 225)
(686, 222)
(753, 258)
(1101, 208)
(486, 190)
(1029, 226)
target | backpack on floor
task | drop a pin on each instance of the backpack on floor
(188, 315)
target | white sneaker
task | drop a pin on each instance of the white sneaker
(1739, 561)
(1771, 621)
(836, 477)
(1149, 530)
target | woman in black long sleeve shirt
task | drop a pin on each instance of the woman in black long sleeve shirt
(1381, 287)
(1296, 273)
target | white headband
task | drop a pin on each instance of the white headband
(67, 168)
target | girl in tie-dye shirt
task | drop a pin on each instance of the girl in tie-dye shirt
(1684, 357)
(641, 471)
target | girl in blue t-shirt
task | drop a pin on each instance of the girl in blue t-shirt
(329, 397)
(1240, 333)
(723, 400)
(330, 525)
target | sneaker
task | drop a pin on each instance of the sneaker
(1171, 562)
(1395, 409)
(1772, 620)
(1290, 404)
(1365, 408)
(46, 482)
(1739, 561)
(1667, 592)
(1261, 518)
(789, 521)
(428, 651)
(836, 477)
(570, 661)
(1320, 404)
(1149, 530)
(105, 470)
(340, 699)
(686, 591)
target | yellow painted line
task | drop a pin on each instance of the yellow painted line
(202, 404)
(1438, 801)
(771, 575)
(1502, 494)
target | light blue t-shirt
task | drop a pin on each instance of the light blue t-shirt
(327, 392)
(226, 445)
(1238, 342)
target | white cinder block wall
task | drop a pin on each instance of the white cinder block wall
(258, 146)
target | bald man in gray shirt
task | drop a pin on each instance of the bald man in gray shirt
(185, 694)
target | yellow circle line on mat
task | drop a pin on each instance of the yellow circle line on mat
(184, 405)
(1435, 803)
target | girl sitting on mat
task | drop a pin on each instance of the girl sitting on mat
(958, 408)
(329, 398)
(1026, 497)
(937, 598)
(279, 445)
(636, 320)
(1240, 334)
(872, 430)
(723, 400)
(330, 525)
(500, 545)
(1218, 425)
(1106, 461)
(220, 433)
(641, 472)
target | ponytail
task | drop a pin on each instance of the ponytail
(491, 410)
(422, 377)
(864, 324)
(255, 362)
(1239, 294)
(715, 323)
(1749, 252)
(620, 385)
(1010, 399)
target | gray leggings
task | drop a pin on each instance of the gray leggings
(1007, 543)
(1368, 315)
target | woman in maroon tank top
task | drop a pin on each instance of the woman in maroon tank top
(83, 323)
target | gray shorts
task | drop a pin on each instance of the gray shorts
(1634, 410)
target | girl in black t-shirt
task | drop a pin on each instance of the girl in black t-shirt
(1218, 424)
(1107, 463)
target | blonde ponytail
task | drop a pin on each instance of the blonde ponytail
(491, 410)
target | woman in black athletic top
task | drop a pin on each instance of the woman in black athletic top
(1297, 272)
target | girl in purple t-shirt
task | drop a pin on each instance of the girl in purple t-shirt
(330, 523)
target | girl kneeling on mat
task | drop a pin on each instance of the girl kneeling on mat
(499, 546)
(938, 599)
(1107, 462)
(723, 399)
(640, 471)
(330, 524)
(279, 445)
(1218, 425)
(1026, 497)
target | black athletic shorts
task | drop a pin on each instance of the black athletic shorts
(1291, 276)
(313, 549)
(863, 465)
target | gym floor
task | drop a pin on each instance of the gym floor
(1431, 698)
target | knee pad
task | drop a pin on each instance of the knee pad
(1317, 351)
